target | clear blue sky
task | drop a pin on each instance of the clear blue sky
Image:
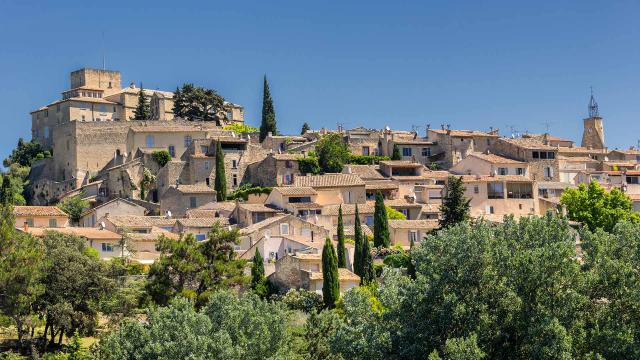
(471, 64)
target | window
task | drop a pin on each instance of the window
(406, 151)
(368, 220)
(187, 141)
(551, 155)
(365, 150)
(29, 222)
(149, 141)
(405, 212)
(536, 155)
(495, 190)
(548, 172)
(230, 115)
(519, 171)
(413, 237)
(46, 132)
(543, 154)
(284, 229)
(102, 108)
(489, 209)
(193, 203)
(426, 152)
(53, 223)
(503, 171)
(207, 181)
(204, 149)
(201, 237)
(234, 164)
(83, 118)
(172, 151)
(207, 164)
(632, 180)
(114, 109)
(106, 247)
(235, 180)
(476, 189)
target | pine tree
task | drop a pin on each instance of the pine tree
(221, 179)
(305, 128)
(381, 223)
(396, 153)
(455, 206)
(342, 252)
(268, 124)
(330, 282)
(358, 239)
(143, 109)
(368, 273)
(257, 269)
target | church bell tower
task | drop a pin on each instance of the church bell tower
(593, 133)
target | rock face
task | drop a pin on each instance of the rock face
(593, 134)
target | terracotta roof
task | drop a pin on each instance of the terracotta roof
(257, 208)
(554, 185)
(380, 185)
(489, 178)
(139, 221)
(155, 233)
(401, 163)
(218, 205)
(418, 141)
(107, 203)
(348, 209)
(494, 159)
(328, 180)
(343, 274)
(627, 151)
(349, 230)
(86, 232)
(194, 189)
(413, 224)
(262, 224)
(366, 172)
(203, 222)
(430, 208)
(168, 127)
(462, 133)
(305, 205)
(38, 211)
(529, 143)
(305, 256)
(577, 159)
(399, 203)
(295, 190)
(580, 150)
(282, 157)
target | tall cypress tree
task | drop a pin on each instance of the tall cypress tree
(368, 274)
(178, 106)
(268, 123)
(380, 223)
(330, 280)
(342, 253)
(143, 109)
(257, 269)
(396, 153)
(358, 239)
(455, 206)
(305, 128)
(221, 179)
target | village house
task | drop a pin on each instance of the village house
(455, 145)
(329, 217)
(116, 206)
(407, 232)
(105, 242)
(213, 209)
(489, 164)
(334, 188)
(180, 198)
(299, 201)
(40, 217)
(248, 214)
(275, 170)
(362, 141)
(198, 227)
(542, 159)
(492, 197)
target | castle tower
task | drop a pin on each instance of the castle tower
(593, 133)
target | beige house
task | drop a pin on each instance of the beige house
(224, 209)
(199, 227)
(411, 146)
(300, 201)
(249, 214)
(180, 198)
(40, 217)
(492, 197)
(455, 145)
(489, 164)
(105, 242)
(334, 188)
(631, 154)
(542, 158)
(405, 232)
(116, 206)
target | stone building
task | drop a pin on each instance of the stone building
(542, 159)
(455, 145)
(180, 198)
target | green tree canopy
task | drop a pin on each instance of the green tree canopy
(74, 206)
(197, 103)
(162, 157)
(330, 279)
(268, 124)
(257, 269)
(25, 153)
(380, 223)
(305, 128)
(241, 128)
(142, 110)
(332, 152)
(455, 205)
(597, 208)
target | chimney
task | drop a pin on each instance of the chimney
(442, 126)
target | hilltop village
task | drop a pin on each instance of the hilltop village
(162, 176)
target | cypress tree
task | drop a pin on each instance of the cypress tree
(342, 253)
(396, 153)
(455, 206)
(257, 269)
(368, 274)
(268, 123)
(305, 128)
(330, 282)
(143, 109)
(221, 179)
(358, 239)
(7, 220)
(178, 107)
(380, 224)
(411, 268)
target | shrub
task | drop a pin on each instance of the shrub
(162, 157)
(309, 165)
(393, 214)
(244, 191)
(241, 128)
(303, 300)
(365, 159)
(398, 260)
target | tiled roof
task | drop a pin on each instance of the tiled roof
(262, 224)
(580, 150)
(292, 157)
(401, 163)
(194, 189)
(366, 172)
(430, 208)
(304, 256)
(257, 208)
(295, 190)
(528, 143)
(494, 159)
(399, 203)
(218, 205)
(110, 202)
(418, 141)
(627, 151)
(86, 232)
(38, 211)
(381, 185)
(203, 222)
(413, 224)
(328, 180)
(348, 209)
(343, 274)
(576, 159)
(140, 221)
(167, 128)
(490, 178)
(305, 205)
(349, 230)
(155, 233)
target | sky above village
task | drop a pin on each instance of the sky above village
(512, 65)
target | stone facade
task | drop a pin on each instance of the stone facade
(593, 135)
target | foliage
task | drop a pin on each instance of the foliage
(230, 327)
(396, 153)
(398, 260)
(455, 205)
(25, 153)
(17, 177)
(380, 223)
(258, 280)
(341, 251)
(74, 206)
(192, 269)
(197, 103)
(365, 159)
(308, 165)
(162, 157)
(221, 179)
(147, 180)
(332, 152)
(303, 300)
(330, 279)
(358, 239)
(244, 190)
(598, 208)
(268, 123)
(241, 128)
(393, 214)
(142, 110)
(74, 284)
(305, 128)
(368, 275)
